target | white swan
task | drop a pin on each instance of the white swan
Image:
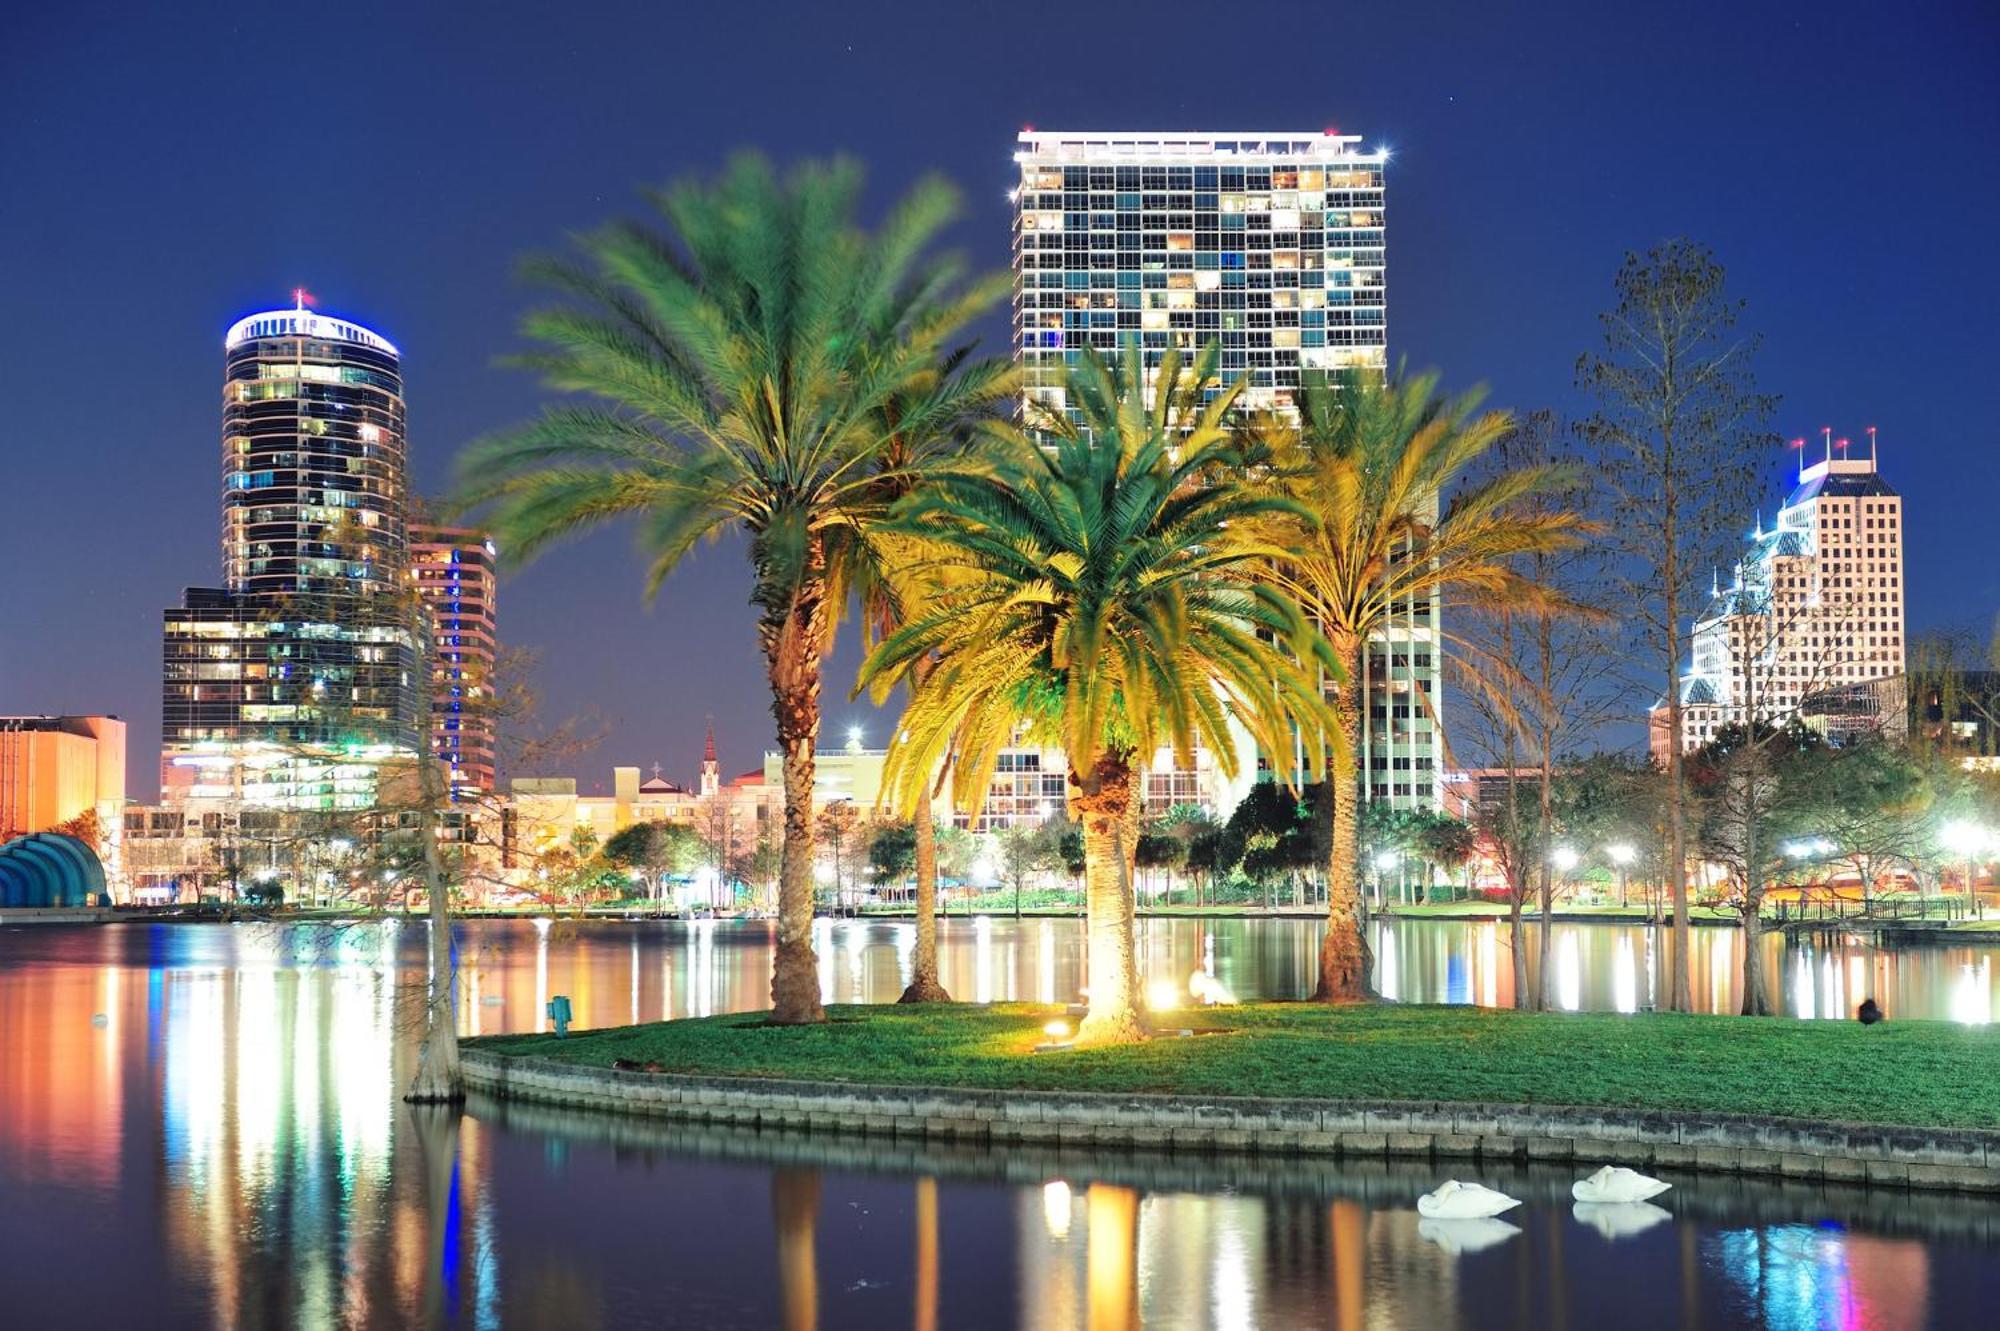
(1619, 1220)
(1615, 1183)
(1459, 1237)
(1452, 1200)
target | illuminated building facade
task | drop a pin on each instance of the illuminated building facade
(294, 683)
(454, 571)
(1814, 607)
(1271, 243)
(64, 772)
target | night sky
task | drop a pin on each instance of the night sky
(165, 169)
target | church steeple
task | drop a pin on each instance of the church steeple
(711, 770)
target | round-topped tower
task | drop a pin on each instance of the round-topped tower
(314, 465)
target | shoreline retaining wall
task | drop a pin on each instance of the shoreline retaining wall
(1953, 1159)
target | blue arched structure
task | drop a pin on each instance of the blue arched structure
(49, 869)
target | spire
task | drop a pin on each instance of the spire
(711, 771)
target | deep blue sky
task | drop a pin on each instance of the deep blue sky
(166, 168)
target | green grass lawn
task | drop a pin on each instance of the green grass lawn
(1924, 1074)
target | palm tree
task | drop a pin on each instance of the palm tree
(1095, 587)
(1368, 462)
(878, 565)
(735, 367)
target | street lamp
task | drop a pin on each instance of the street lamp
(1966, 840)
(1621, 855)
(1384, 862)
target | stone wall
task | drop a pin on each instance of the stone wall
(1732, 1143)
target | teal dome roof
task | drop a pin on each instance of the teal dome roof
(49, 869)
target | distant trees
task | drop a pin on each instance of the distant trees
(658, 849)
(1754, 791)
(835, 824)
(892, 852)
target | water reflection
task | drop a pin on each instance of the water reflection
(214, 1109)
(649, 972)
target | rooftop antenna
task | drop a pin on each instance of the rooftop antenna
(1827, 430)
(1871, 443)
(1841, 444)
(1800, 444)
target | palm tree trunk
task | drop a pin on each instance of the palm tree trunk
(1343, 956)
(792, 651)
(925, 987)
(1102, 800)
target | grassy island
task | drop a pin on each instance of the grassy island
(1916, 1073)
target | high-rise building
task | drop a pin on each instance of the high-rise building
(1271, 243)
(292, 683)
(454, 574)
(1814, 606)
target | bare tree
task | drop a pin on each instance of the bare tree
(1546, 680)
(1679, 433)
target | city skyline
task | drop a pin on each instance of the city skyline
(422, 248)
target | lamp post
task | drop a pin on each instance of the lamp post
(1965, 840)
(1564, 859)
(1622, 856)
(1384, 861)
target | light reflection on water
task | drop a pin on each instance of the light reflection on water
(226, 1148)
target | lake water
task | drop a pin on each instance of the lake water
(199, 1126)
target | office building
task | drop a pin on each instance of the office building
(1271, 243)
(1813, 608)
(454, 572)
(293, 683)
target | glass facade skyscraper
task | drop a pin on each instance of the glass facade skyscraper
(293, 682)
(1271, 243)
(313, 458)
(454, 573)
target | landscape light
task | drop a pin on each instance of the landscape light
(1563, 858)
(1163, 995)
(1386, 860)
(1056, 1030)
(1621, 853)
